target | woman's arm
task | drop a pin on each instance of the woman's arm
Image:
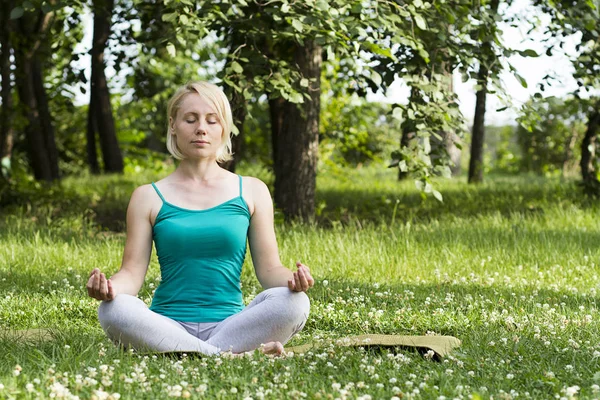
(263, 245)
(136, 255)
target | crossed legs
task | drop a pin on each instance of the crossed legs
(275, 315)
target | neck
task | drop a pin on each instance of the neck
(199, 170)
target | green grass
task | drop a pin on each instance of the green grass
(509, 267)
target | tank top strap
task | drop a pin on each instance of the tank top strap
(240, 185)
(159, 193)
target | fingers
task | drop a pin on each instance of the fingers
(91, 282)
(291, 285)
(98, 287)
(302, 278)
(111, 291)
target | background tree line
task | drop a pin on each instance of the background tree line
(297, 75)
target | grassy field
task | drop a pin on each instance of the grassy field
(509, 267)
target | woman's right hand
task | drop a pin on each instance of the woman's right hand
(99, 287)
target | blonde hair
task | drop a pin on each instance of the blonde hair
(217, 99)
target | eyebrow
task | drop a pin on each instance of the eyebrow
(196, 114)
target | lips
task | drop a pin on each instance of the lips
(200, 141)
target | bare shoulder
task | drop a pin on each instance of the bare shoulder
(144, 200)
(143, 193)
(257, 193)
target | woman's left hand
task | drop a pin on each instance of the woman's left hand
(302, 280)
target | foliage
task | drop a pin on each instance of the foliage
(503, 154)
(550, 135)
(374, 41)
(353, 130)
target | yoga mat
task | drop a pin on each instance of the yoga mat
(440, 345)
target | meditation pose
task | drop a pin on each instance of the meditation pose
(200, 218)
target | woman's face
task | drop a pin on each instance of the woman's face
(197, 128)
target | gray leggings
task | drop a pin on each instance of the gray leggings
(275, 315)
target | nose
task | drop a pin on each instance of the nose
(201, 130)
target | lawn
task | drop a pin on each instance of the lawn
(509, 267)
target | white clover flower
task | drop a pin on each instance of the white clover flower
(471, 373)
(595, 388)
(571, 391)
(509, 376)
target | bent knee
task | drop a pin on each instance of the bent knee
(295, 305)
(117, 311)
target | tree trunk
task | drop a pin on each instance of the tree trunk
(298, 141)
(32, 95)
(34, 133)
(91, 150)
(478, 135)
(276, 112)
(45, 118)
(238, 111)
(588, 150)
(6, 112)
(102, 109)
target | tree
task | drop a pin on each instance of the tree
(550, 143)
(100, 116)
(6, 95)
(567, 18)
(488, 63)
(31, 46)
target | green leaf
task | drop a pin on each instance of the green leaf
(296, 98)
(304, 82)
(521, 80)
(171, 49)
(402, 165)
(528, 53)
(183, 19)
(437, 195)
(374, 48)
(169, 17)
(426, 145)
(16, 13)
(297, 25)
(420, 21)
(285, 8)
(236, 67)
(376, 78)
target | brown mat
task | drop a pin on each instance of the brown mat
(440, 345)
(28, 335)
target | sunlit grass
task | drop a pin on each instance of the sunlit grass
(509, 267)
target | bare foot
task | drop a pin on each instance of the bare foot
(269, 349)
(272, 348)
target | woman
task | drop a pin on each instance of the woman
(200, 217)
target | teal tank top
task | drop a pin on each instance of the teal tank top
(200, 253)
